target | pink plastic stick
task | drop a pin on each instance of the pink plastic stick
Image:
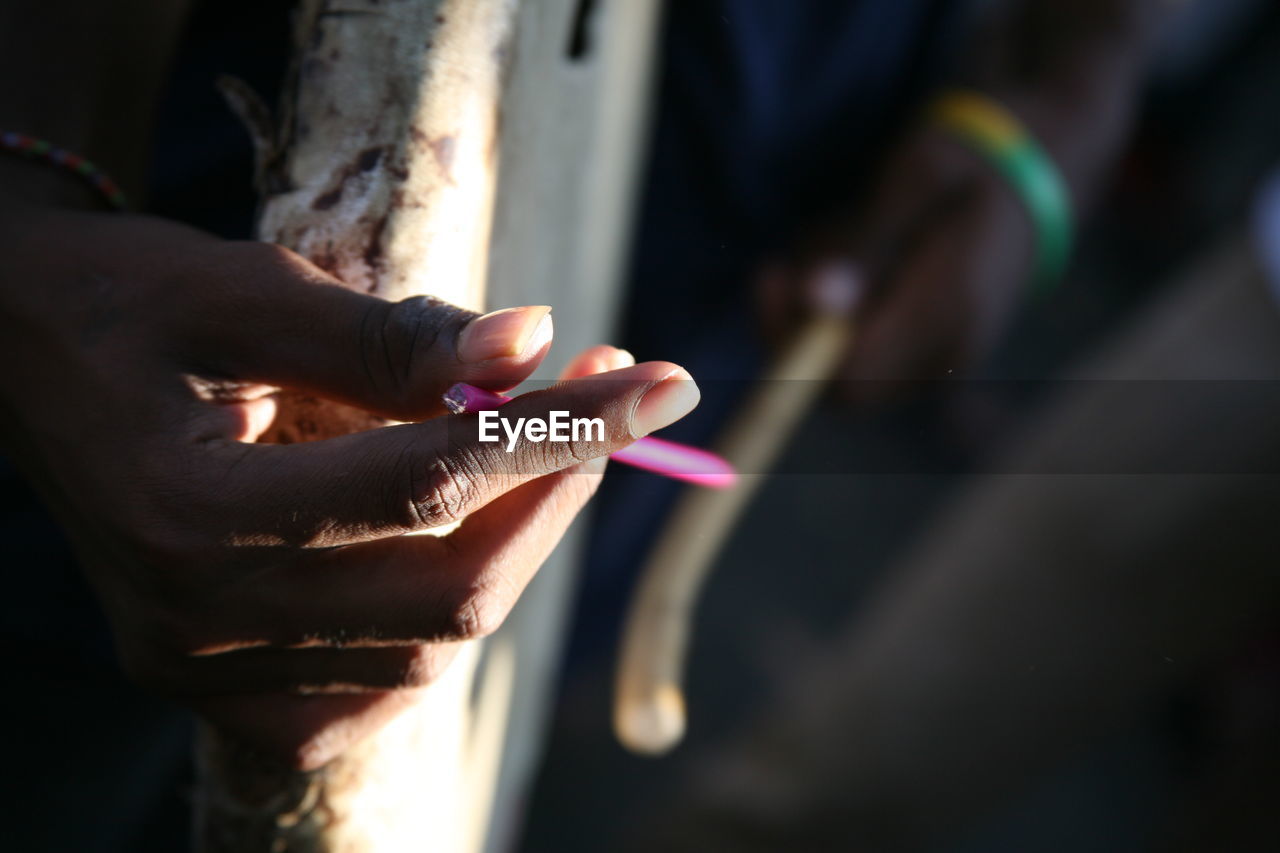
(678, 461)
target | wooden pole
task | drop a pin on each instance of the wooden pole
(381, 170)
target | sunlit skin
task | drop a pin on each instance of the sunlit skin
(270, 586)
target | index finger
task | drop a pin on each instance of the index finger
(412, 477)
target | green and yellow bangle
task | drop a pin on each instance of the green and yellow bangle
(988, 128)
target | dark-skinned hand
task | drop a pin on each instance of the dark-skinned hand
(273, 588)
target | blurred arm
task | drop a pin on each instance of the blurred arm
(1072, 70)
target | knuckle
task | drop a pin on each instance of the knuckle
(441, 492)
(545, 457)
(419, 667)
(169, 609)
(418, 325)
(305, 753)
(158, 545)
(376, 349)
(397, 340)
(478, 611)
(579, 452)
(165, 544)
(166, 521)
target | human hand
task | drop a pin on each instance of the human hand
(929, 271)
(237, 576)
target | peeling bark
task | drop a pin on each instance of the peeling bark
(384, 163)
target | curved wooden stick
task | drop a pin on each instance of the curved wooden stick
(649, 706)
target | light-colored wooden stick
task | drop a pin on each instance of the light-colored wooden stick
(649, 706)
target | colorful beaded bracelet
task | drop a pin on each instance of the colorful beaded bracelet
(985, 126)
(41, 149)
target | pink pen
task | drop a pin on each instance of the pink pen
(669, 458)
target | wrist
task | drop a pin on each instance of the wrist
(996, 134)
(1081, 137)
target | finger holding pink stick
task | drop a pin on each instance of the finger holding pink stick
(669, 458)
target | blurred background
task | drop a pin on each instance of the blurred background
(1003, 611)
(1092, 752)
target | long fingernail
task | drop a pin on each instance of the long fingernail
(506, 333)
(835, 288)
(620, 358)
(665, 403)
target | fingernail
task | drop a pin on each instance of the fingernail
(506, 333)
(835, 288)
(620, 358)
(665, 403)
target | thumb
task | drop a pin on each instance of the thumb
(286, 323)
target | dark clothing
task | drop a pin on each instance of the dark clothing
(770, 115)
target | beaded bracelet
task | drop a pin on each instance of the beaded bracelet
(988, 128)
(40, 149)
